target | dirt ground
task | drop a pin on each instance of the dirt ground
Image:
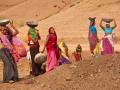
(101, 73)
(70, 20)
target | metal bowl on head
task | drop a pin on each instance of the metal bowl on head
(40, 58)
(4, 22)
(92, 18)
(107, 20)
(32, 23)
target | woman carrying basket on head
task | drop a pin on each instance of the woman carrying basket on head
(92, 36)
(10, 71)
(33, 42)
(107, 40)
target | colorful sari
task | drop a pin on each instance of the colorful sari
(92, 38)
(64, 60)
(97, 50)
(52, 52)
(64, 48)
(7, 44)
(107, 44)
(19, 47)
(64, 53)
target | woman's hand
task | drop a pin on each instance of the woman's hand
(38, 35)
(115, 24)
(101, 24)
(102, 19)
(43, 50)
(1, 34)
(16, 30)
(11, 24)
(37, 31)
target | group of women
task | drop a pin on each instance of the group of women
(50, 45)
(107, 42)
(56, 54)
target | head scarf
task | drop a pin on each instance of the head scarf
(63, 47)
(32, 33)
(54, 31)
(79, 48)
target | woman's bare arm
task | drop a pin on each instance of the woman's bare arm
(101, 24)
(45, 44)
(1, 44)
(16, 30)
(38, 35)
(115, 24)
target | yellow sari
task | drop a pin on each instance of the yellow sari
(64, 48)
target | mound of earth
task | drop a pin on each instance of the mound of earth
(101, 73)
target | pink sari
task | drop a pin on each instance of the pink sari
(52, 52)
(9, 46)
(107, 44)
(19, 47)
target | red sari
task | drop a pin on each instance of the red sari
(52, 52)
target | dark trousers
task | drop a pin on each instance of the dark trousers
(36, 69)
(10, 71)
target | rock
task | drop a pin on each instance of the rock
(79, 75)
(30, 81)
(91, 63)
(49, 86)
(55, 6)
(97, 84)
(42, 85)
(68, 79)
(99, 70)
(109, 65)
(91, 75)
(73, 66)
(114, 78)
